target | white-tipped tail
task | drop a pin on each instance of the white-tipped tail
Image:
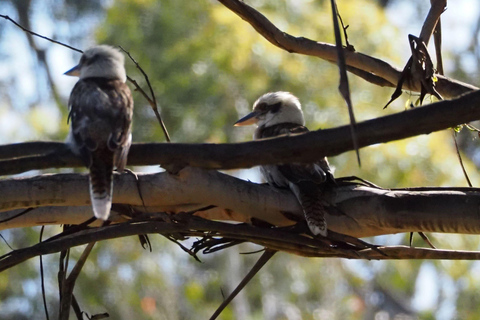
(313, 209)
(101, 205)
(316, 224)
(101, 189)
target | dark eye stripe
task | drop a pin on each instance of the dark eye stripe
(262, 107)
(274, 108)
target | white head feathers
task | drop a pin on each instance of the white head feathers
(101, 61)
(273, 108)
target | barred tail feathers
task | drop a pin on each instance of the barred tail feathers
(101, 189)
(313, 208)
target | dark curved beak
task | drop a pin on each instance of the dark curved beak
(249, 119)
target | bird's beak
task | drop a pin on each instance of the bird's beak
(74, 72)
(249, 119)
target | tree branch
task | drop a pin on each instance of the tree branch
(363, 210)
(295, 148)
(275, 239)
(433, 17)
(448, 88)
(190, 189)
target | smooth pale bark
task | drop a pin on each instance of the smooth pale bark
(364, 211)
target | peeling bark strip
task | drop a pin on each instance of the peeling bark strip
(363, 211)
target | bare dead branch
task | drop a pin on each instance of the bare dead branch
(69, 283)
(343, 86)
(369, 76)
(433, 16)
(42, 280)
(187, 225)
(448, 88)
(266, 256)
(39, 35)
(437, 37)
(295, 148)
(151, 100)
(460, 160)
(419, 68)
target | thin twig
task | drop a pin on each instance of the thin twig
(462, 165)
(6, 242)
(265, 257)
(345, 34)
(185, 249)
(153, 100)
(437, 39)
(69, 283)
(17, 215)
(76, 308)
(143, 238)
(39, 35)
(62, 276)
(425, 238)
(42, 279)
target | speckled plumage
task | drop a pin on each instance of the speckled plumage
(101, 108)
(279, 113)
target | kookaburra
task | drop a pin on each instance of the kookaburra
(279, 113)
(101, 108)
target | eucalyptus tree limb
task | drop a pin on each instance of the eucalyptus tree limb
(64, 198)
(362, 210)
(306, 147)
(448, 88)
(433, 17)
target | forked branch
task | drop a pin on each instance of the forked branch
(369, 68)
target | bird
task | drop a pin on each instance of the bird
(280, 113)
(100, 113)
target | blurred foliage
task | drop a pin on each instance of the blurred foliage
(207, 66)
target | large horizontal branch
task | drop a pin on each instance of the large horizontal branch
(372, 68)
(190, 189)
(295, 148)
(365, 211)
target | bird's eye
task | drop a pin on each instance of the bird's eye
(274, 108)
